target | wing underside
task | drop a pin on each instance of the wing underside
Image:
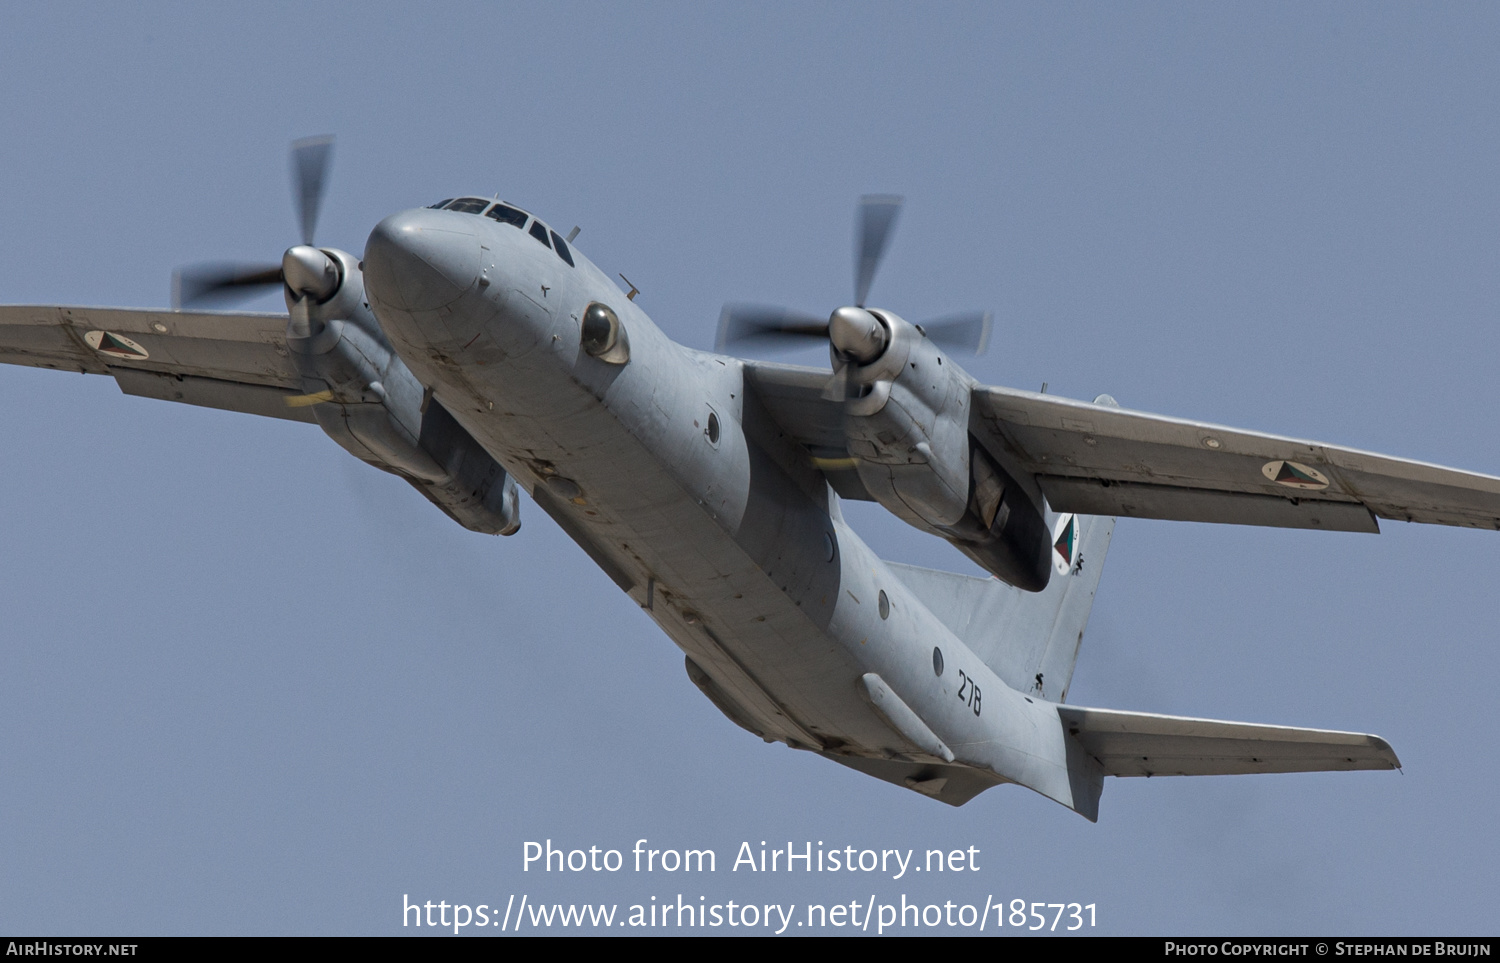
(1099, 459)
(236, 362)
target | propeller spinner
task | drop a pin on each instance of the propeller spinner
(304, 270)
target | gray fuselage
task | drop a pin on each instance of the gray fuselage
(671, 476)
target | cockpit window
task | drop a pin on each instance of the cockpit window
(539, 231)
(561, 247)
(507, 215)
(468, 205)
(439, 204)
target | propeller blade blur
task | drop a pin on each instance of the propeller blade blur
(837, 388)
(877, 218)
(204, 285)
(310, 157)
(968, 332)
(762, 324)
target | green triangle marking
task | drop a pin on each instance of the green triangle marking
(110, 343)
(1290, 473)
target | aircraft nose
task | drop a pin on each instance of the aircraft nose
(421, 260)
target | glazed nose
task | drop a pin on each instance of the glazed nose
(421, 260)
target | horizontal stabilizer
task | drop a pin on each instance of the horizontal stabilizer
(1146, 744)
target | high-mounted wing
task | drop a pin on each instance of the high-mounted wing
(241, 362)
(1098, 459)
(238, 362)
(796, 398)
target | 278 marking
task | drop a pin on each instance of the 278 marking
(972, 698)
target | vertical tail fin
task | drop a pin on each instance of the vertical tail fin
(1029, 639)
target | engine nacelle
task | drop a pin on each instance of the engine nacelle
(1003, 529)
(907, 423)
(366, 399)
(907, 427)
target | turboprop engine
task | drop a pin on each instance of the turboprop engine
(906, 418)
(906, 415)
(367, 400)
(360, 391)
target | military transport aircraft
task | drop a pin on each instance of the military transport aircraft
(474, 351)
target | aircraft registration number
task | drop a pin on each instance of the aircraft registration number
(968, 692)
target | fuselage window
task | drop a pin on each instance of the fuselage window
(468, 205)
(539, 231)
(561, 247)
(439, 205)
(507, 215)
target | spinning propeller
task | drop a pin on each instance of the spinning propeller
(306, 271)
(856, 335)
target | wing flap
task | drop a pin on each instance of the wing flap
(1086, 496)
(1172, 468)
(1146, 744)
(265, 400)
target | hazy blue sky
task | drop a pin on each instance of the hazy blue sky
(249, 685)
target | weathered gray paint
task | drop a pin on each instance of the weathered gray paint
(466, 375)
